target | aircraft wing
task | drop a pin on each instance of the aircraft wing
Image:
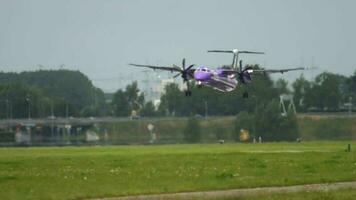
(165, 68)
(265, 71)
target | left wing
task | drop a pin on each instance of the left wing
(165, 68)
(265, 71)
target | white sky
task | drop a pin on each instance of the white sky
(99, 38)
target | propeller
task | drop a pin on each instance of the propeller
(244, 75)
(184, 73)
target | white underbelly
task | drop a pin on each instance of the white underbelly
(221, 84)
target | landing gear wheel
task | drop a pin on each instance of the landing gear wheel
(245, 95)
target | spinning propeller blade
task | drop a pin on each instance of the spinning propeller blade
(183, 64)
(175, 76)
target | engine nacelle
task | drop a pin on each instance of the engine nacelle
(245, 77)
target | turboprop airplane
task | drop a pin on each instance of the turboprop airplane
(221, 79)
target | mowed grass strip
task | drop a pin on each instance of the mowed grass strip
(92, 172)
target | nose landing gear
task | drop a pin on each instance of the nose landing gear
(200, 84)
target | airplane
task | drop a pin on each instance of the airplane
(221, 79)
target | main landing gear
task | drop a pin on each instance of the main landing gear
(188, 93)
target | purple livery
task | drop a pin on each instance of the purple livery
(221, 79)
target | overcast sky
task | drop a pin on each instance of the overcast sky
(99, 38)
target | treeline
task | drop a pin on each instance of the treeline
(328, 92)
(47, 92)
(70, 93)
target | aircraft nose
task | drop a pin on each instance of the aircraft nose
(202, 76)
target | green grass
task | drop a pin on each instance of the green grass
(88, 172)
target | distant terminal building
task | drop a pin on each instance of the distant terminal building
(158, 89)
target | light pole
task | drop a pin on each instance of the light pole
(29, 107)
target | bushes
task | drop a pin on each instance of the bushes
(7, 136)
(327, 130)
(272, 126)
(289, 128)
(192, 131)
(244, 121)
(269, 123)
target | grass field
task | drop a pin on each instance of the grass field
(91, 172)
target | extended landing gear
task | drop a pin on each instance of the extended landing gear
(188, 93)
(245, 95)
(200, 85)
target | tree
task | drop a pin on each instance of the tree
(282, 86)
(351, 82)
(192, 132)
(148, 110)
(20, 101)
(124, 102)
(71, 87)
(272, 126)
(134, 98)
(121, 104)
(300, 86)
(351, 88)
(172, 100)
(325, 92)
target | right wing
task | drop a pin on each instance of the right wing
(165, 68)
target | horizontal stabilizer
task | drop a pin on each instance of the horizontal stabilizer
(252, 52)
(220, 51)
(235, 51)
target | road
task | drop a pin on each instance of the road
(238, 192)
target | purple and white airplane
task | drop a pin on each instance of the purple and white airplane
(221, 79)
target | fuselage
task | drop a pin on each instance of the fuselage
(216, 78)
